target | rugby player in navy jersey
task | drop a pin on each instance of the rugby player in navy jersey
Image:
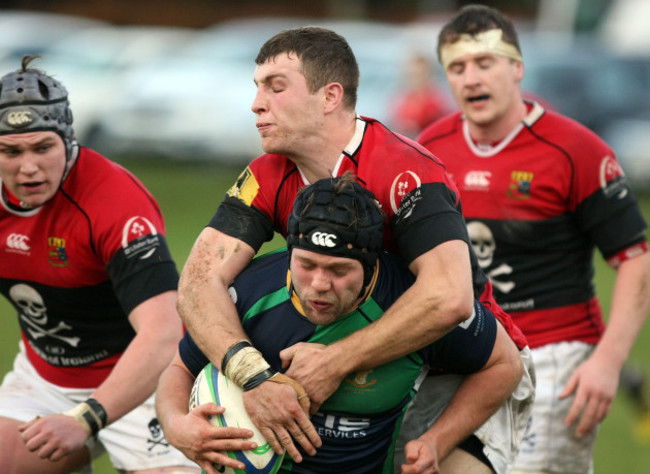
(334, 280)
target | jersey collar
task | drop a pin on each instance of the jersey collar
(535, 112)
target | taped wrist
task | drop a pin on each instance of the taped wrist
(303, 398)
(245, 365)
(90, 415)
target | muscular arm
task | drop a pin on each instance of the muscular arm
(207, 310)
(132, 380)
(478, 397)
(595, 382)
(191, 432)
(440, 299)
(203, 302)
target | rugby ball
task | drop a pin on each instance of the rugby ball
(212, 386)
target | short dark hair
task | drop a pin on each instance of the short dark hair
(474, 19)
(325, 55)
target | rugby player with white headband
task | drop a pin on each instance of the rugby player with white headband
(540, 193)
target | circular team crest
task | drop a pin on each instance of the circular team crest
(403, 184)
(139, 237)
(609, 171)
(612, 177)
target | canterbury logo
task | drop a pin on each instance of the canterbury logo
(323, 239)
(19, 118)
(18, 242)
(478, 179)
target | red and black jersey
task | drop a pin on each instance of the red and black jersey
(537, 205)
(75, 267)
(420, 202)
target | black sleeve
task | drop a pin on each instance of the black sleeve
(614, 222)
(243, 222)
(142, 274)
(427, 217)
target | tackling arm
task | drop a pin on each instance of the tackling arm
(203, 301)
(206, 309)
(478, 397)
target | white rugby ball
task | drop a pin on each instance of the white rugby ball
(211, 386)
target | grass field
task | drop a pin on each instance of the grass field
(189, 194)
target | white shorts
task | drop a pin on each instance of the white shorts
(134, 442)
(548, 445)
(501, 434)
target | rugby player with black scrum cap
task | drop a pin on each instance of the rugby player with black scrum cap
(333, 280)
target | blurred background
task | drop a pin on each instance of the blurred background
(174, 78)
(165, 87)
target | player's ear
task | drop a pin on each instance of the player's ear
(519, 70)
(332, 96)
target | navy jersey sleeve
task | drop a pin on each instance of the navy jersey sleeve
(468, 347)
(191, 355)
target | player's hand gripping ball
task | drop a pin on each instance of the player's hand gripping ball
(212, 386)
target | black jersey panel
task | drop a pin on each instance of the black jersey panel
(243, 222)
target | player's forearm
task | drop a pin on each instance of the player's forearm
(172, 395)
(479, 396)
(135, 376)
(629, 309)
(464, 415)
(419, 317)
(210, 311)
(203, 300)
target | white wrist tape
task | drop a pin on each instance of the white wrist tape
(244, 365)
(87, 417)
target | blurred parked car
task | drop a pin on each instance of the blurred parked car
(589, 83)
(91, 62)
(27, 32)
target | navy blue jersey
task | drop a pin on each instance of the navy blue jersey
(359, 422)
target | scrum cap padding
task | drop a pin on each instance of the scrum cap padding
(336, 218)
(31, 101)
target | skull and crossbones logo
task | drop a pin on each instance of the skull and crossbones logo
(484, 246)
(157, 436)
(34, 313)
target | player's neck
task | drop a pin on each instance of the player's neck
(323, 154)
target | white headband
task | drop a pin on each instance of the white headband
(486, 42)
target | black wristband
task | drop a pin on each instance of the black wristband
(92, 422)
(256, 380)
(99, 411)
(232, 350)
